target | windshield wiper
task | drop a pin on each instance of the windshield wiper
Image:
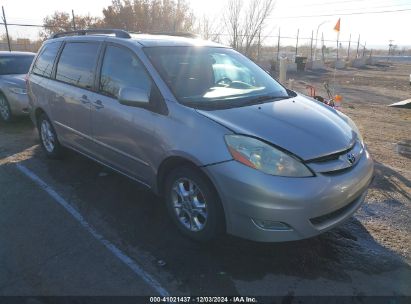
(263, 99)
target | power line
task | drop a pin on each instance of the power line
(35, 25)
(399, 6)
(336, 3)
(341, 14)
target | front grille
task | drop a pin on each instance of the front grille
(319, 221)
(331, 157)
(339, 162)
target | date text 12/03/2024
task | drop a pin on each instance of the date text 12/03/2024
(235, 299)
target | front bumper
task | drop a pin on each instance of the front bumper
(19, 103)
(309, 206)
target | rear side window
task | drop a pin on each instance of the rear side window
(77, 63)
(45, 61)
(121, 69)
(15, 64)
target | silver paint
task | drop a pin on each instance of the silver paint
(136, 141)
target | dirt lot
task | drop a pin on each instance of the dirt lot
(368, 255)
(366, 94)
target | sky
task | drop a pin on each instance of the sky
(376, 30)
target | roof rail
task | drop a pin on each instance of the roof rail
(117, 33)
(179, 34)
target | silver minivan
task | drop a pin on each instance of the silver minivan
(228, 147)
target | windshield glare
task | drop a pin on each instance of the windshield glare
(204, 75)
(15, 64)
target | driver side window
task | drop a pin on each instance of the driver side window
(121, 68)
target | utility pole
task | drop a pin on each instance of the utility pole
(363, 50)
(7, 31)
(259, 46)
(278, 44)
(389, 47)
(312, 37)
(74, 20)
(296, 45)
(338, 44)
(358, 46)
(322, 46)
(175, 15)
(316, 39)
(349, 46)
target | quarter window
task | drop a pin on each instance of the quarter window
(45, 61)
(77, 63)
(120, 69)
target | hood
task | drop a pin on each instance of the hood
(300, 125)
(18, 79)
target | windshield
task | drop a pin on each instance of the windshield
(213, 76)
(15, 64)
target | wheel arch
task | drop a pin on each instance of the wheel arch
(169, 164)
(37, 113)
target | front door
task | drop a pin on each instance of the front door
(123, 134)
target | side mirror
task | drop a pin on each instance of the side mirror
(133, 97)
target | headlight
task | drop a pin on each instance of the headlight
(260, 156)
(16, 90)
(353, 126)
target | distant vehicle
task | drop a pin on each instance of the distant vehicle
(13, 95)
(229, 148)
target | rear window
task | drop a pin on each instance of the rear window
(45, 61)
(76, 64)
(15, 64)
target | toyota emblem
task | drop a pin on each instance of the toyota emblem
(351, 158)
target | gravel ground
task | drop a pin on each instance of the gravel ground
(366, 95)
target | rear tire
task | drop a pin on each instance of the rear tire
(194, 204)
(5, 110)
(48, 138)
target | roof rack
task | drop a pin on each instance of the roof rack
(179, 34)
(117, 33)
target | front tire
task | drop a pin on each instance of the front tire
(194, 204)
(48, 138)
(5, 110)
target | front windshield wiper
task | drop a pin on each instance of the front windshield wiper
(263, 99)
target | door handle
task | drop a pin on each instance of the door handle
(98, 104)
(84, 99)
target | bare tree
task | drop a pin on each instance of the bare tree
(233, 23)
(209, 28)
(245, 24)
(255, 16)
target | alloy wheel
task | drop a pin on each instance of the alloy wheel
(4, 109)
(189, 204)
(47, 136)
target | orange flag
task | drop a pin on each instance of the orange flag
(337, 25)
